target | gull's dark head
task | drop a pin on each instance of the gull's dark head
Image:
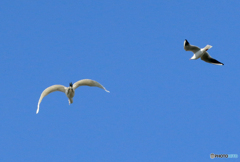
(70, 84)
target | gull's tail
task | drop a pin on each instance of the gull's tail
(207, 47)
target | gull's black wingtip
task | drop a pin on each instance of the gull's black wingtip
(186, 42)
(214, 61)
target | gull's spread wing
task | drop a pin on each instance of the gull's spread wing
(189, 47)
(207, 58)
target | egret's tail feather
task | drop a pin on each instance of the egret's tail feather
(70, 101)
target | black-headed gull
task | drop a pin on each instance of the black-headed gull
(69, 91)
(201, 52)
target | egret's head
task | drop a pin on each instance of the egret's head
(70, 84)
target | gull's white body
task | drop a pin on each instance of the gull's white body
(200, 52)
(69, 91)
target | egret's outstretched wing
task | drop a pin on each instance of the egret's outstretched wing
(189, 47)
(207, 58)
(88, 82)
(50, 90)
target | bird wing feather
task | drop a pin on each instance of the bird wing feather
(88, 82)
(50, 90)
(192, 48)
(207, 58)
(189, 47)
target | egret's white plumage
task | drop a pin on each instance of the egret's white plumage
(69, 91)
(200, 52)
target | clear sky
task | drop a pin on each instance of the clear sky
(162, 106)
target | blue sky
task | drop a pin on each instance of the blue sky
(162, 106)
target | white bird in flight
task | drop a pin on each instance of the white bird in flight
(69, 91)
(201, 52)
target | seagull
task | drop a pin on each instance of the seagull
(201, 52)
(69, 91)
